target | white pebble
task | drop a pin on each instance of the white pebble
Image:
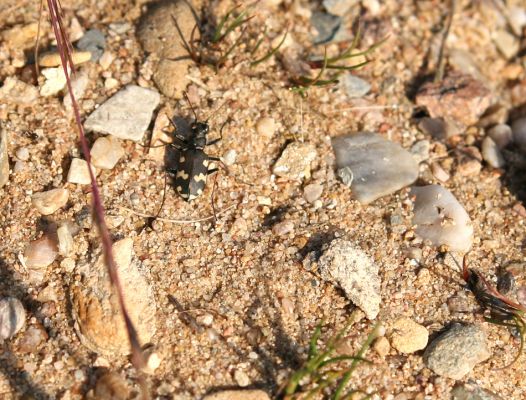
(65, 240)
(229, 158)
(55, 81)
(501, 135)
(106, 152)
(241, 378)
(492, 154)
(312, 192)
(79, 173)
(111, 83)
(12, 317)
(22, 154)
(266, 126)
(441, 219)
(41, 252)
(50, 201)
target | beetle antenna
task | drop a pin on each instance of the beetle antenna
(216, 111)
(191, 106)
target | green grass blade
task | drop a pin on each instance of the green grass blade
(271, 52)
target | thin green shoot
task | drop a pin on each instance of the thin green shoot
(271, 52)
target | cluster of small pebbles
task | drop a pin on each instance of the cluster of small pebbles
(356, 201)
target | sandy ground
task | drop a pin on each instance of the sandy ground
(265, 305)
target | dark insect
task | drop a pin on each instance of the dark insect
(193, 164)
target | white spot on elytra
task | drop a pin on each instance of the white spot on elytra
(182, 174)
(200, 177)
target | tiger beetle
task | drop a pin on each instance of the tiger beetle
(193, 164)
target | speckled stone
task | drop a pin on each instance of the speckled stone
(295, 161)
(408, 336)
(12, 317)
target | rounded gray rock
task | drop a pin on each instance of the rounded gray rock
(456, 352)
(12, 317)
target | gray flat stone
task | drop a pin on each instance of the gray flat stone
(354, 86)
(379, 166)
(470, 391)
(456, 352)
(125, 115)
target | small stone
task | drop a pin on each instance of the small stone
(469, 167)
(238, 395)
(455, 352)
(439, 173)
(65, 240)
(111, 386)
(205, 320)
(441, 219)
(32, 339)
(283, 228)
(97, 315)
(4, 158)
(312, 192)
(22, 154)
(346, 176)
(459, 304)
(41, 252)
(379, 166)
(519, 133)
(126, 115)
(54, 83)
(241, 378)
(501, 135)
(111, 83)
(93, 42)
(492, 154)
(153, 361)
(158, 34)
(339, 7)
(295, 161)
(53, 59)
(354, 86)
(50, 201)
(79, 84)
(106, 60)
(78, 172)
(420, 150)
(408, 336)
(75, 30)
(21, 37)
(382, 346)
(437, 128)
(459, 99)
(326, 25)
(507, 44)
(12, 317)
(229, 158)
(350, 268)
(470, 391)
(106, 152)
(266, 126)
(18, 92)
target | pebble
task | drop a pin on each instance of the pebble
(354, 86)
(348, 267)
(455, 352)
(31, 340)
(507, 44)
(41, 252)
(53, 59)
(229, 158)
(158, 34)
(501, 135)
(241, 378)
(408, 336)
(295, 161)
(98, 320)
(238, 395)
(126, 115)
(437, 128)
(111, 83)
(346, 176)
(15, 91)
(459, 99)
(326, 25)
(65, 240)
(283, 228)
(111, 386)
(50, 201)
(12, 317)
(492, 154)
(79, 84)
(379, 166)
(441, 219)
(312, 192)
(339, 7)
(78, 172)
(93, 42)
(439, 173)
(382, 346)
(22, 154)
(266, 127)
(420, 150)
(106, 60)
(21, 37)
(518, 128)
(106, 152)
(54, 83)
(4, 158)
(153, 361)
(470, 391)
